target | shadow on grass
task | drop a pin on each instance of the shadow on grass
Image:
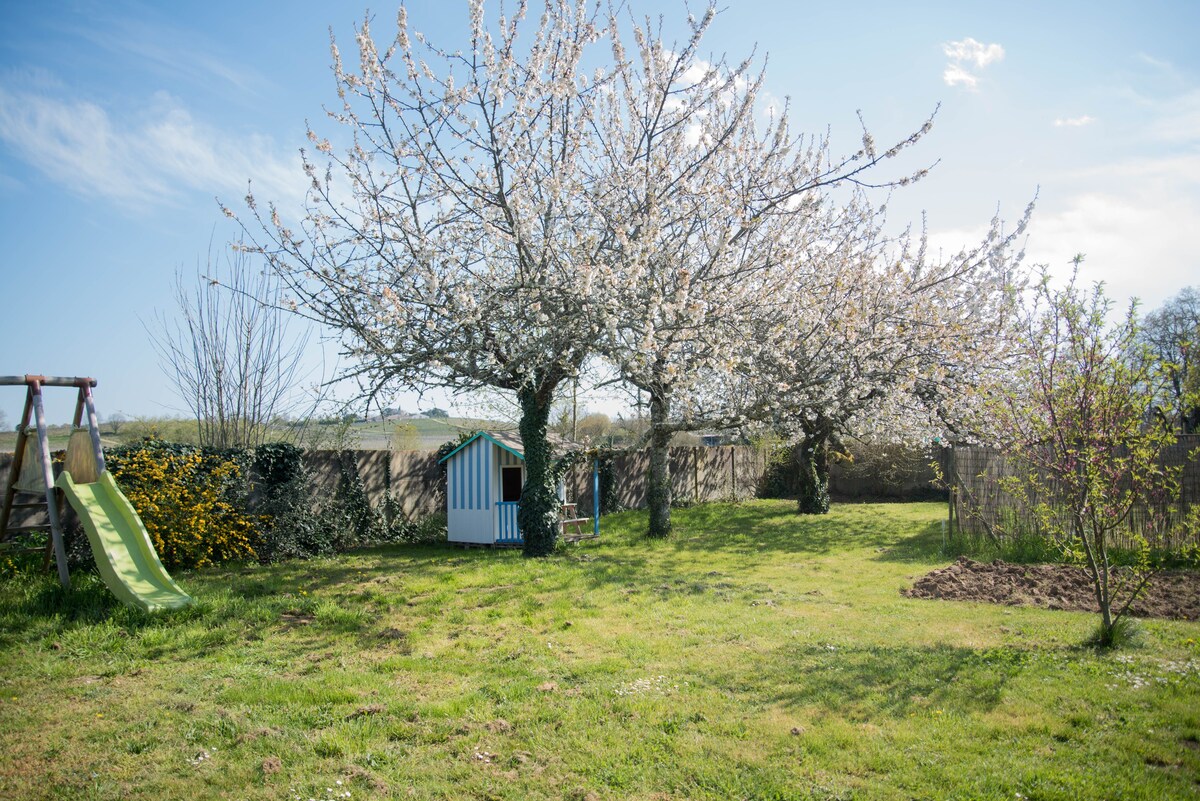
(891, 681)
(774, 526)
(235, 602)
(928, 546)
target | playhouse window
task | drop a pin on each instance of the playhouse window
(510, 483)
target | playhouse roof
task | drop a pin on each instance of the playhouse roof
(511, 442)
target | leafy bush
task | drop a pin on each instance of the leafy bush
(429, 530)
(360, 521)
(292, 526)
(779, 478)
(393, 525)
(610, 499)
(192, 501)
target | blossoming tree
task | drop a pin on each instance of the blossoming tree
(447, 243)
(709, 210)
(1079, 420)
(898, 346)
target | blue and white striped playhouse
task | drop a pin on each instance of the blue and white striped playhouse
(484, 477)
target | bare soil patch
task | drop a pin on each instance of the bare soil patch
(1170, 594)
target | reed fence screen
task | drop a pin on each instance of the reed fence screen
(979, 504)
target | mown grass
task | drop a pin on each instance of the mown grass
(756, 654)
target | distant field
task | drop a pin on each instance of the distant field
(418, 433)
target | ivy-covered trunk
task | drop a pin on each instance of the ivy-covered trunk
(812, 470)
(658, 485)
(538, 513)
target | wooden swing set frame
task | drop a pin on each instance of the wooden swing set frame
(35, 409)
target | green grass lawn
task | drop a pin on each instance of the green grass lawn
(755, 655)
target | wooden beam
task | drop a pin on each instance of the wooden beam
(56, 534)
(46, 380)
(14, 469)
(85, 393)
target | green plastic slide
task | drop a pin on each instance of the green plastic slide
(124, 553)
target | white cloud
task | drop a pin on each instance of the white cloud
(162, 156)
(770, 105)
(966, 54)
(972, 51)
(1074, 122)
(695, 72)
(955, 75)
(1138, 246)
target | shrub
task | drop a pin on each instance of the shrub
(779, 478)
(282, 497)
(610, 499)
(192, 502)
(360, 520)
(429, 530)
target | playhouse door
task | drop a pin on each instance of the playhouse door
(512, 478)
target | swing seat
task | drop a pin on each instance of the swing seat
(80, 461)
(30, 478)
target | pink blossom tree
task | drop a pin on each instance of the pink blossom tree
(1079, 420)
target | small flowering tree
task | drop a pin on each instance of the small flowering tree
(1079, 418)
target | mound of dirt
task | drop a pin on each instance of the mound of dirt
(1170, 594)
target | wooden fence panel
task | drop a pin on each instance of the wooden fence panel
(415, 477)
(698, 475)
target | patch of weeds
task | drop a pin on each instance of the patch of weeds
(1126, 632)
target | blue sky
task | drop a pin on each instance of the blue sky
(121, 122)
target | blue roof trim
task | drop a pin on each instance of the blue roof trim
(490, 439)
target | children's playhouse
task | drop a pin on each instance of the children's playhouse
(484, 477)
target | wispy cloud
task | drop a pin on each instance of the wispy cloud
(1074, 122)
(1132, 218)
(162, 156)
(967, 58)
(170, 51)
(1177, 119)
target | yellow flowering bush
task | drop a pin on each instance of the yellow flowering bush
(191, 502)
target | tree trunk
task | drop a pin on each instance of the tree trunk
(812, 471)
(1096, 555)
(538, 513)
(658, 480)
